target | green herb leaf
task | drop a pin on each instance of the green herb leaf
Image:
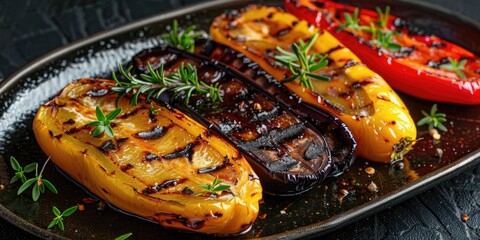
(214, 187)
(184, 81)
(58, 219)
(124, 236)
(301, 64)
(39, 183)
(103, 123)
(434, 119)
(56, 211)
(26, 185)
(69, 211)
(455, 66)
(184, 40)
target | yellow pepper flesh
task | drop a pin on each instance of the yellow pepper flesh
(133, 172)
(374, 113)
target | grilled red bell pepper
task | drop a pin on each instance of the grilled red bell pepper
(411, 61)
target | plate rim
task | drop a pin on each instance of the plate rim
(328, 225)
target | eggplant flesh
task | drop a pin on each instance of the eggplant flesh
(283, 148)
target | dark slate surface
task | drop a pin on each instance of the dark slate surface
(29, 29)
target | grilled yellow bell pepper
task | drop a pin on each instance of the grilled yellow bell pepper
(374, 113)
(154, 165)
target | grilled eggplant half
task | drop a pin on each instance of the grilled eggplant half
(289, 154)
(155, 164)
(377, 117)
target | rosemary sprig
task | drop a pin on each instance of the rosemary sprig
(103, 122)
(301, 64)
(20, 171)
(455, 66)
(214, 187)
(40, 183)
(434, 119)
(185, 39)
(185, 80)
(58, 219)
(124, 236)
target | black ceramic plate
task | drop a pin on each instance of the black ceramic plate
(319, 211)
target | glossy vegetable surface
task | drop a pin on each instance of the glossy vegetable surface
(376, 116)
(423, 65)
(154, 166)
(288, 153)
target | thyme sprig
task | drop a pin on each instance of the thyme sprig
(457, 67)
(214, 187)
(433, 119)
(58, 219)
(20, 171)
(103, 122)
(351, 21)
(383, 38)
(185, 39)
(383, 17)
(301, 64)
(185, 80)
(40, 183)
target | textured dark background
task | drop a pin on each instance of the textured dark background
(30, 28)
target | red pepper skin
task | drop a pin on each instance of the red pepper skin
(403, 74)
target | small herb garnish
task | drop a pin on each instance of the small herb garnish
(153, 111)
(382, 38)
(124, 236)
(185, 39)
(383, 17)
(40, 183)
(434, 119)
(301, 64)
(185, 80)
(20, 172)
(351, 21)
(103, 122)
(214, 187)
(58, 220)
(458, 67)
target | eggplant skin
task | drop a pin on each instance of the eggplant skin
(155, 163)
(283, 149)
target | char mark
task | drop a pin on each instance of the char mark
(107, 146)
(151, 157)
(274, 137)
(155, 133)
(187, 152)
(97, 92)
(214, 168)
(166, 184)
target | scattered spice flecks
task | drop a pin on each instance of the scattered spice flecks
(262, 216)
(2, 187)
(372, 187)
(81, 207)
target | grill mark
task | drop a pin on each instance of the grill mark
(214, 168)
(274, 137)
(155, 133)
(150, 157)
(97, 92)
(107, 146)
(349, 64)
(166, 184)
(69, 122)
(127, 167)
(187, 191)
(266, 115)
(283, 32)
(187, 152)
(121, 141)
(129, 114)
(75, 129)
(331, 50)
